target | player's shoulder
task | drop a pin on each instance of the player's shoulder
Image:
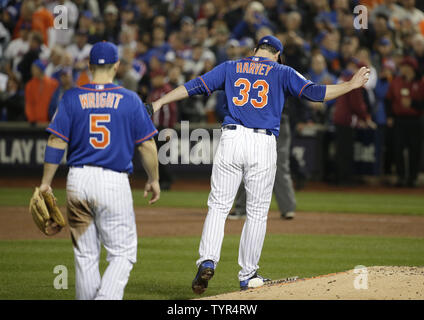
(130, 95)
(71, 93)
(283, 67)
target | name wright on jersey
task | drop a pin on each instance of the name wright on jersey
(100, 100)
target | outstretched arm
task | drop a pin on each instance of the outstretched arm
(177, 94)
(358, 80)
(204, 84)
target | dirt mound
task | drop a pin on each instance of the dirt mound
(381, 283)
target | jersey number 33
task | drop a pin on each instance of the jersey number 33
(245, 85)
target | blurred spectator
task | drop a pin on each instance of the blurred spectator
(66, 82)
(383, 53)
(126, 76)
(233, 49)
(219, 47)
(88, 5)
(112, 27)
(329, 48)
(380, 29)
(145, 15)
(254, 18)
(38, 94)
(348, 49)
(86, 23)
(36, 50)
(319, 74)
(4, 38)
(127, 15)
(26, 12)
(404, 106)
(348, 110)
(127, 38)
(43, 19)
(80, 49)
(384, 138)
(55, 65)
(187, 30)
(12, 102)
(418, 52)
(165, 118)
(99, 31)
(17, 48)
(413, 13)
(391, 10)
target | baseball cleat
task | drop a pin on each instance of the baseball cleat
(204, 274)
(235, 215)
(288, 215)
(253, 282)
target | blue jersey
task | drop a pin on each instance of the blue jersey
(255, 88)
(101, 124)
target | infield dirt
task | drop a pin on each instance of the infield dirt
(16, 223)
(383, 283)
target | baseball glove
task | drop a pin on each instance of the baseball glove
(46, 213)
(149, 109)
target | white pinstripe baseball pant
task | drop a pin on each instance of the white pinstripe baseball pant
(241, 154)
(100, 211)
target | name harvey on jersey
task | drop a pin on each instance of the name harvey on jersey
(225, 309)
(100, 100)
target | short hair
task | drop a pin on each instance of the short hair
(266, 47)
(101, 67)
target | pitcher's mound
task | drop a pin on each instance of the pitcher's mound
(382, 283)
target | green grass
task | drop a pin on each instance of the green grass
(165, 266)
(337, 202)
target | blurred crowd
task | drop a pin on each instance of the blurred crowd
(44, 51)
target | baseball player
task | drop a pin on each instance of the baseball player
(100, 123)
(255, 88)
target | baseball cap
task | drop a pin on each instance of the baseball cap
(103, 53)
(273, 42)
(40, 64)
(384, 42)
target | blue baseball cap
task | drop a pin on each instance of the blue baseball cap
(273, 42)
(40, 64)
(103, 53)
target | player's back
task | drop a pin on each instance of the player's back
(101, 124)
(255, 88)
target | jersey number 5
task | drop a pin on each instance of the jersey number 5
(97, 128)
(245, 92)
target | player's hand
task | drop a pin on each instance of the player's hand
(156, 106)
(154, 188)
(45, 188)
(360, 78)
